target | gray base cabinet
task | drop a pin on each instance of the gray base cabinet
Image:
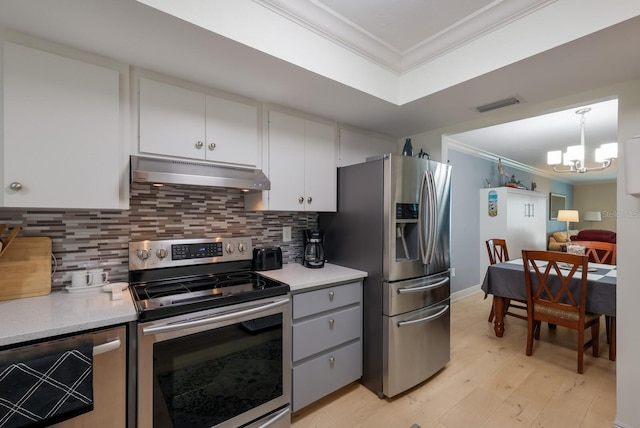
(326, 341)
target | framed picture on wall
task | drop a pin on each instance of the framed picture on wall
(557, 202)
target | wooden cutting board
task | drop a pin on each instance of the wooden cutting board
(25, 268)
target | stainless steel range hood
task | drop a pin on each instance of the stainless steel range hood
(170, 171)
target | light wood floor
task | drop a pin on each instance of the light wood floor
(489, 382)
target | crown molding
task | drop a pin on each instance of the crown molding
(316, 17)
(483, 154)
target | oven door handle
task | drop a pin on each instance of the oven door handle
(278, 416)
(211, 320)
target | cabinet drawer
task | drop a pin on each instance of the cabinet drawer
(315, 335)
(322, 375)
(325, 299)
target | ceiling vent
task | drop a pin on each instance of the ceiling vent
(498, 104)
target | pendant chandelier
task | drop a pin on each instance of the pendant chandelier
(573, 158)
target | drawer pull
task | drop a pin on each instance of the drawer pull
(331, 322)
(331, 295)
(332, 360)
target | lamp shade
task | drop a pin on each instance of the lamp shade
(592, 216)
(568, 215)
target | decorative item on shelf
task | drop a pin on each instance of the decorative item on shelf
(592, 216)
(574, 156)
(568, 216)
(515, 184)
(503, 177)
(534, 186)
(407, 150)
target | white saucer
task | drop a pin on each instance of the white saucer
(114, 286)
(85, 289)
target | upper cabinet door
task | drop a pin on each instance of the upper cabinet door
(62, 145)
(302, 165)
(183, 123)
(320, 167)
(172, 120)
(286, 162)
(231, 132)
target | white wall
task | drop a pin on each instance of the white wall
(596, 197)
(356, 145)
(628, 289)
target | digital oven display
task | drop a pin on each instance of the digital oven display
(196, 251)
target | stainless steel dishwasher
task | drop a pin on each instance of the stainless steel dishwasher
(108, 370)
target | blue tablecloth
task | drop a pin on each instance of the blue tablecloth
(507, 280)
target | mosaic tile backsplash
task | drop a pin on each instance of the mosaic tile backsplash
(90, 239)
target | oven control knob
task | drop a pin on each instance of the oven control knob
(229, 248)
(143, 254)
(241, 247)
(161, 253)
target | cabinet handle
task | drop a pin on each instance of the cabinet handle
(331, 322)
(15, 186)
(300, 199)
(332, 361)
(199, 145)
(212, 146)
(331, 294)
(309, 200)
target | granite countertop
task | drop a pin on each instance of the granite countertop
(60, 312)
(301, 278)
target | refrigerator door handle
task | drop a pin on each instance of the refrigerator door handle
(421, 223)
(405, 290)
(425, 319)
(433, 216)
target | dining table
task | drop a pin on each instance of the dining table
(506, 281)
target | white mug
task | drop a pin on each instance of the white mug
(98, 276)
(80, 278)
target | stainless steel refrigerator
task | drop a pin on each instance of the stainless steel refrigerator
(393, 222)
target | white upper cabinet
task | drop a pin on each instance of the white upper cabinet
(172, 120)
(302, 164)
(183, 123)
(62, 145)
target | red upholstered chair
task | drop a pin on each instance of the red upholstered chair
(498, 253)
(558, 305)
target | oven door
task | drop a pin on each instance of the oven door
(223, 367)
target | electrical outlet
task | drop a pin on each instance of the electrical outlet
(453, 272)
(286, 233)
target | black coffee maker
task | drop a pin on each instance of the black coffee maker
(313, 248)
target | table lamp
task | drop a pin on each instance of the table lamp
(592, 216)
(568, 216)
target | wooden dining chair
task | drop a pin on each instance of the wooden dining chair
(551, 299)
(605, 253)
(499, 253)
(599, 252)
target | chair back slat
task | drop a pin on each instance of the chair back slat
(497, 250)
(600, 252)
(548, 275)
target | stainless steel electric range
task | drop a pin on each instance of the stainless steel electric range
(213, 336)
